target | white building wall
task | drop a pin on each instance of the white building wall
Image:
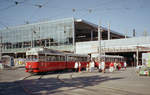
(130, 43)
(86, 47)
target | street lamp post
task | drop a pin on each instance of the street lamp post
(1, 47)
(137, 56)
(99, 41)
(32, 42)
(134, 60)
(35, 34)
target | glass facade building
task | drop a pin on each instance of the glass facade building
(61, 34)
(56, 34)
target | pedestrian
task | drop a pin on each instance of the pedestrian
(91, 65)
(125, 65)
(111, 67)
(115, 65)
(96, 64)
(99, 67)
(76, 66)
(87, 67)
(79, 65)
(1, 65)
(103, 66)
(118, 66)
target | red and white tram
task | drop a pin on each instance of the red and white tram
(44, 60)
(111, 59)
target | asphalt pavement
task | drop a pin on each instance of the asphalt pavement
(124, 82)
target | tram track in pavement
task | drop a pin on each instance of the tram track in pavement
(117, 91)
(60, 74)
(29, 92)
(62, 78)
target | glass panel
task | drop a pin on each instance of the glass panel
(51, 33)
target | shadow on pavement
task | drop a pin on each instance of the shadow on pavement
(11, 88)
(54, 85)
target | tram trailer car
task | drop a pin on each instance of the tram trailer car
(114, 59)
(111, 58)
(44, 60)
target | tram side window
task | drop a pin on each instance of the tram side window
(85, 59)
(122, 60)
(71, 58)
(51, 58)
(57, 58)
(41, 58)
(76, 59)
(62, 58)
(68, 58)
(48, 58)
(109, 59)
(32, 58)
(81, 58)
(112, 59)
(106, 59)
(116, 59)
(119, 60)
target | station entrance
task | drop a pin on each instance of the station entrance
(130, 57)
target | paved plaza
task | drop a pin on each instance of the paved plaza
(124, 82)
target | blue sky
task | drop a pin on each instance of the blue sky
(123, 15)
